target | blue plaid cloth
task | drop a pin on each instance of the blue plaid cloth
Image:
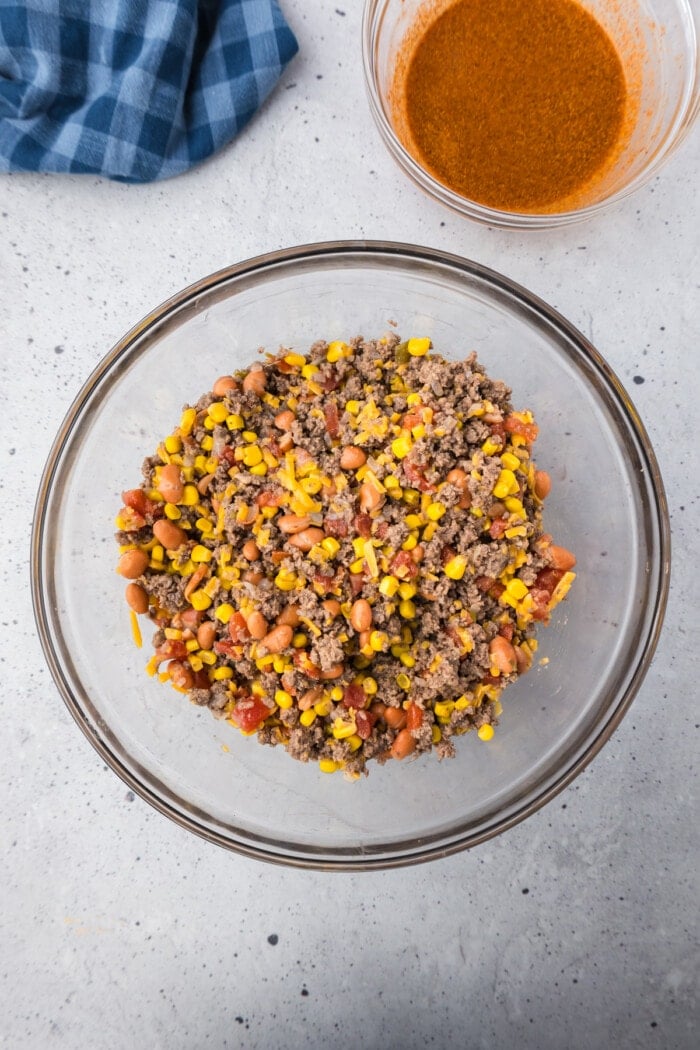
(132, 89)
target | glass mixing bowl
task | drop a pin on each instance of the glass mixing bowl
(657, 41)
(607, 505)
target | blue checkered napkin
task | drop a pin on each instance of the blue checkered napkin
(132, 89)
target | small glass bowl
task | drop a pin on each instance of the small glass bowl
(607, 505)
(657, 41)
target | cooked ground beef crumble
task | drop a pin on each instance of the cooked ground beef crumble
(343, 552)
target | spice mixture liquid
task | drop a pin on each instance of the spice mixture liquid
(515, 104)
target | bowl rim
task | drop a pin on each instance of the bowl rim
(356, 860)
(687, 112)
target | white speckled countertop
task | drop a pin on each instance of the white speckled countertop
(573, 930)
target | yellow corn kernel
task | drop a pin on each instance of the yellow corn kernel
(342, 730)
(280, 664)
(299, 640)
(509, 461)
(327, 765)
(207, 443)
(407, 609)
(403, 681)
(330, 546)
(195, 663)
(516, 589)
(218, 411)
(235, 422)
(389, 586)
(371, 559)
(172, 511)
(173, 444)
(252, 455)
(157, 553)
(323, 707)
(379, 641)
(410, 542)
(284, 581)
(358, 545)
(429, 531)
(462, 703)
(187, 421)
(357, 566)
(436, 734)
(411, 497)
(444, 708)
(407, 660)
(490, 447)
(485, 732)
(353, 407)
(408, 590)
(401, 446)
(260, 470)
(307, 718)
(172, 634)
(514, 505)
(506, 485)
(200, 600)
(190, 496)
(369, 685)
(207, 657)
(224, 612)
(296, 360)
(200, 554)
(222, 673)
(456, 567)
(516, 530)
(418, 347)
(283, 699)
(337, 350)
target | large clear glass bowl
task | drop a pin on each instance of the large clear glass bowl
(657, 41)
(607, 504)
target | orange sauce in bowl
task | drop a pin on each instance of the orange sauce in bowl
(514, 104)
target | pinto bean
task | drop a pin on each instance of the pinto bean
(257, 625)
(503, 655)
(307, 538)
(352, 457)
(132, 564)
(137, 598)
(224, 385)
(250, 550)
(361, 615)
(309, 698)
(255, 381)
(404, 745)
(370, 497)
(543, 484)
(206, 634)
(170, 535)
(170, 484)
(284, 420)
(292, 523)
(395, 717)
(289, 616)
(561, 558)
(278, 638)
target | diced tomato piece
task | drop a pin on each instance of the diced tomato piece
(330, 411)
(201, 680)
(250, 713)
(269, 498)
(226, 648)
(305, 665)
(363, 525)
(337, 527)
(414, 717)
(498, 433)
(496, 590)
(547, 579)
(137, 500)
(403, 565)
(283, 366)
(228, 455)
(364, 720)
(497, 528)
(484, 583)
(381, 529)
(490, 679)
(413, 418)
(324, 583)
(506, 630)
(238, 628)
(171, 650)
(357, 582)
(415, 472)
(330, 380)
(354, 696)
(513, 425)
(131, 520)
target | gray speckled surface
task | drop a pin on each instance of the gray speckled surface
(575, 929)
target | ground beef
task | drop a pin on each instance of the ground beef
(344, 552)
